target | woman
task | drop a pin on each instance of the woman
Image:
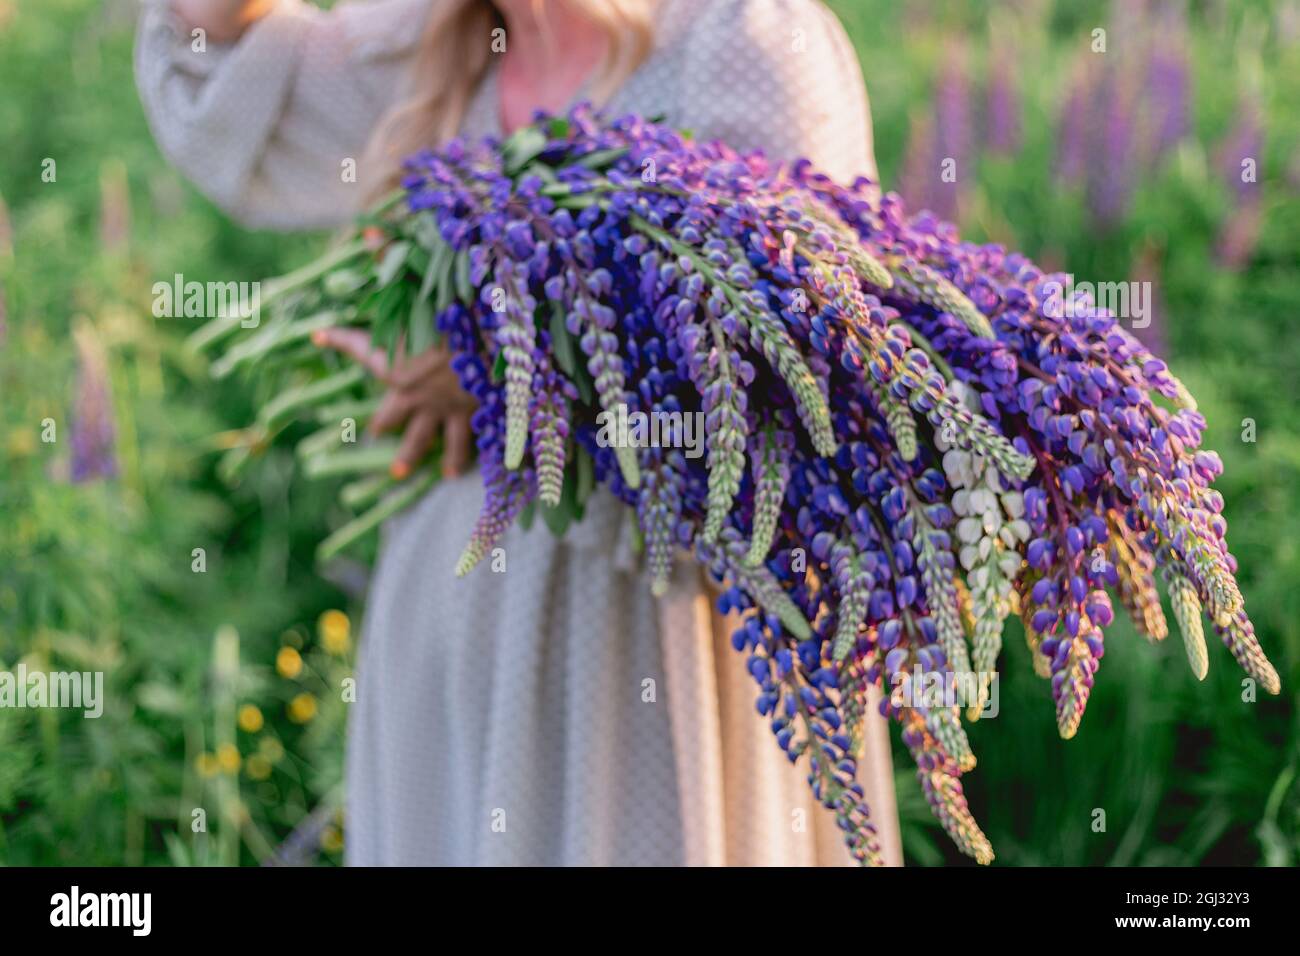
(555, 713)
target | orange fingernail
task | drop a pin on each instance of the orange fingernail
(399, 470)
(319, 337)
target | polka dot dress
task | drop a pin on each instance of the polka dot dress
(545, 710)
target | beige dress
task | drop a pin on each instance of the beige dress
(555, 712)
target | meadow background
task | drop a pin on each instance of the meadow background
(223, 684)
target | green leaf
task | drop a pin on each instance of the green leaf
(212, 332)
(273, 338)
(522, 147)
(542, 172)
(358, 528)
(232, 464)
(391, 263)
(319, 442)
(586, 475)
(585, 383)
(559, 518)
(578, 482)
(425, 231)
(420, 331)
(285, 405)
(345, 283)
(603, 158)
(277, 288)
(439, 260)
(499, 368)
(391, 309)
(562, 342)
(365, 491)
(357, 408)
(444, 291)
(365, 460)
(464, 289)
(418, 259)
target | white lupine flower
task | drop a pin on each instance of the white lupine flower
(989, 528)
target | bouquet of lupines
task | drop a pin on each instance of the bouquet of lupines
(907, 439)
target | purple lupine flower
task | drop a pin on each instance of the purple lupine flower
(917, 175)
(1239, 158)
(1112, 166)
(93, 451)
(1239, 235)
(954, 156)
(1002, 115)
(1168, 83)
(1073, 131)
(940, 148)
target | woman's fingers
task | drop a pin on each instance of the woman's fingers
(424, 393)
(356, 344)
(417, 438)
(395, 408)
(414, 371)
(455, 444)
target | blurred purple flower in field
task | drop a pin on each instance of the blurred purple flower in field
(1003, 109)
(953, 135)
(940, 147)
(1111, 171)
(1245, 141)
(1125, 111)
(1238, 159)
(93, 453)
(1240, 233)
(918, 174)
(1169, 90)
(1073, 126)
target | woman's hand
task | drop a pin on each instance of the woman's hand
(423, 392)
(222, 20)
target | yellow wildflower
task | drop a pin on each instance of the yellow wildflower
(288, 662)
(250, 719)
(228, 758)
(302, 708)
(331, 839)
(257, 767)
(335, 629)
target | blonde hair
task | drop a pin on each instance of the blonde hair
(453, 58)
